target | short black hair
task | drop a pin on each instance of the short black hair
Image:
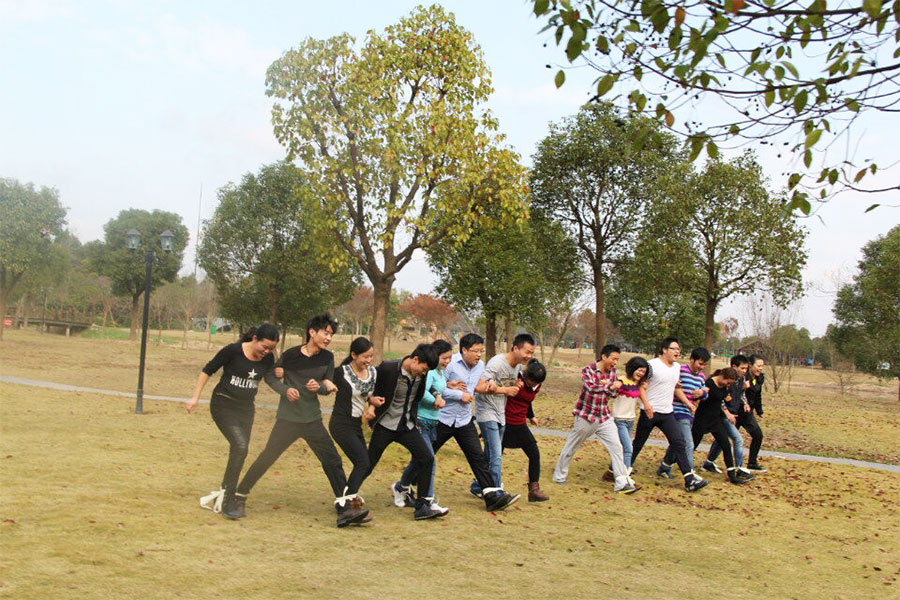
(320, 322)
(535, 372)
(635, 363)
(700, 353)
(522, 339)
(609, 349)
(666, 342)
(441, 346)
(469, 340)
(425, 354)
(266, 331)
(756, 357)
(738, 360)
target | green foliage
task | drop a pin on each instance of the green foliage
(795, 71)
(720, 233)
(126, 268)
(596, 173)
(395, 141)
(647, 308)
(29, 219)
(262, 253)
(510, 271)
(867, 311)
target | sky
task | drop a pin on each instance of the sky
(157, 105)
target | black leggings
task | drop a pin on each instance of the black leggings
(711, 421)
(748, 421)
(667, 424)
(235, 424)
(285, 433)
(347, 432)
(520, 436)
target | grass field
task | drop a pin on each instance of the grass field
(96, 502)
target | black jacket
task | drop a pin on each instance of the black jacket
(754, 392)
(388, 373)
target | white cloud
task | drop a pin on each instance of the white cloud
(17, 11)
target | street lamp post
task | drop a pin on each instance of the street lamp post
(133, 241)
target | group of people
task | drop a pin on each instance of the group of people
(426, 398)
(678, 399)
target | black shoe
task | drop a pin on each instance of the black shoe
(711, 467)
(499, 501)
(734, 476)
(665, 473)
(240, 506)
(233, 507)
(349, 515)
(756, 468)
(427, 511)
(745, 475)
(695, 483)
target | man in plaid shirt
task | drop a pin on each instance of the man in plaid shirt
(592, 418)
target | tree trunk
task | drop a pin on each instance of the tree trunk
(490, 335)
(599, 313)
(710, 322)
(3, 296)
(273, 305)
(508, 332)
(559, 338)
(381, 299)
(135, 303)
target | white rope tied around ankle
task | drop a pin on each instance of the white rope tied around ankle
(491, 490)
(213, 501)
(342, 500)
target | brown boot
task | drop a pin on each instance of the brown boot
(608, 476)
(358, 504)
(535, 494)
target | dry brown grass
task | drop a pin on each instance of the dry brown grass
(813, 418)
(99, 503)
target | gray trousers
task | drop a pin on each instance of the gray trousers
(607, 433)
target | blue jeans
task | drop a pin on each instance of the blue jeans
(625, 428)
(737, 443)
(669, 458)
(492, 434)
(429, 434)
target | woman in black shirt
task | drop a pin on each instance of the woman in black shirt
(708, 419)
(243, 365)
(354, 402)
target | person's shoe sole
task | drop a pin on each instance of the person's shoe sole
(711, 469)
(664, 474)
(431, 515)
(630, 490)
(757, 469)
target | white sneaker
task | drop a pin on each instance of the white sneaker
(441, 509)
(401, 497)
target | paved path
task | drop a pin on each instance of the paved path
(537, 430)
